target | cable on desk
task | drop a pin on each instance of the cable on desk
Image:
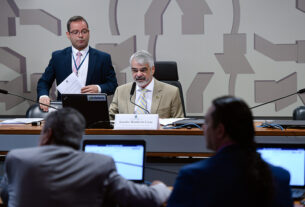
(268, 125)
(181, 126)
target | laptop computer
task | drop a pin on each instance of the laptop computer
(128, 155)
(290, 157)
(192, 122)
(94, 108)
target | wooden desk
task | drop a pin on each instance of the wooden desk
(163, 142)
(160, 143)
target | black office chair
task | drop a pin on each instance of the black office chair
(35, 112)
(299, 113)
(167, 71)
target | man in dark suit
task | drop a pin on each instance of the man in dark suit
(57, 174)
(236, 176)
(93, 68)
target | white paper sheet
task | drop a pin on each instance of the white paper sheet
(70, 85)
(21, 121)
(169, 121)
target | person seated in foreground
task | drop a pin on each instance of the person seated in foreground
(57, 174)
(236, 175)
(154, 97)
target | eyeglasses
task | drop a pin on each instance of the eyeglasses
(76, 32)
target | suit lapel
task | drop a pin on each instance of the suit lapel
(92, 59)
(68, 62)
(156, 98)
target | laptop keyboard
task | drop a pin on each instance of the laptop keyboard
(297, 193)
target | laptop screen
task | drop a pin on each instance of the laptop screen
(128, 155)
(93, 107)
(288, 156)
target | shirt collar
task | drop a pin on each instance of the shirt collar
(84, 51)
(149, 87)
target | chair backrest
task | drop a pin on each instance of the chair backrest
(167, 72)
(299, 113)
(35, 112)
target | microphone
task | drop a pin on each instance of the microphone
(133, 87)
(3, 91)
(6, 92)
(298, 92)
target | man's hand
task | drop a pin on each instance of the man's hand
(155, 182)
(44, 100)
(90, 89)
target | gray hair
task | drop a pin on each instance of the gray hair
(143, 57)
(67, 126)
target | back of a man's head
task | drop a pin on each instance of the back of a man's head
(67, 127)
(236, 117)
(237, 120)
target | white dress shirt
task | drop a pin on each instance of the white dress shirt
(83, 70)
(148, 94)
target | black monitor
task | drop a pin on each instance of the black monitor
(94, 108)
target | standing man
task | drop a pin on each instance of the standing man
(57, 174)
(152, 95)
(93, 68)
(236, 176)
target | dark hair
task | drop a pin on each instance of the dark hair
(67, 127)
(74, 19)
(237, 120)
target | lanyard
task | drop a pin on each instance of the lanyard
(80, 63)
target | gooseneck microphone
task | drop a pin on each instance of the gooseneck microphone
(298, 92)
(133, 87)
(6, 92)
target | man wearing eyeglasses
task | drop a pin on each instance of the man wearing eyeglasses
(93, 68)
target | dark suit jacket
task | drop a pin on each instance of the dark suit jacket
(60, 176)
(220, 181)
(100, 71)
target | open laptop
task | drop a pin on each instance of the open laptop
(128, 155)
(290, 157)
(94, 108)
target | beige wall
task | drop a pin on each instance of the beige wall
(254, 49)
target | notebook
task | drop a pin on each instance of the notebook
(290, 157)
(128, 155)
(94, 108)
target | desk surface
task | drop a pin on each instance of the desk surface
(164, 142)
(28, 129)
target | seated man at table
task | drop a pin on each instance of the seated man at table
(236, 176)
(57, 174)
(151, 95)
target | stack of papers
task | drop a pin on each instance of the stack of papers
(21, 121)
(168, 121)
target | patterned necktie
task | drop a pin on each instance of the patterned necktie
(77, 61)
(142, 102)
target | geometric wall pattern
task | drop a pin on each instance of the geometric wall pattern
(221, 47)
